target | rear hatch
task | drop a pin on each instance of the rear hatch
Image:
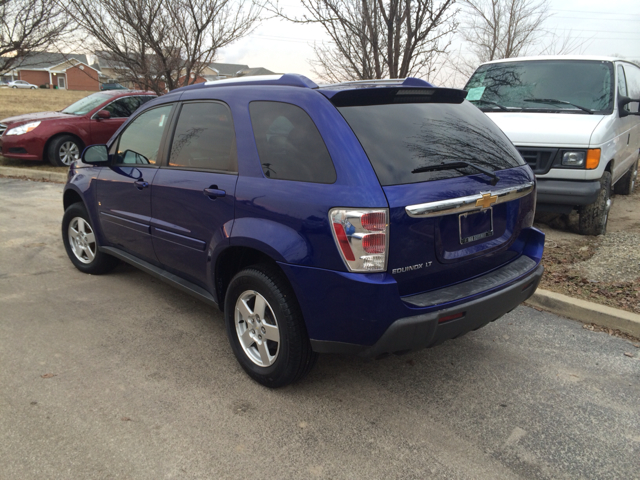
(459, 193)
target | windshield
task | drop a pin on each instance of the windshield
(86, 104)
(586, 84)
(401, 140)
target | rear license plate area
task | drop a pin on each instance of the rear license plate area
(475, 226)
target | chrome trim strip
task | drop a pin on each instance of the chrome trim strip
(466, 204)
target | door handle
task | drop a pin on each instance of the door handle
(213, 192)
(140, 184)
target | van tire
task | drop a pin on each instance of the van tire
(627, 183)
(593, 218)
(293, 358)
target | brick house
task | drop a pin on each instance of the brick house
(65, 71)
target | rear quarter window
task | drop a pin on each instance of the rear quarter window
(289, 144)
(400, 138)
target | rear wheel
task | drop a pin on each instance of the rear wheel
(266, 329)
(64, 150)
(593, 218)
(78, 236)
(627, 183)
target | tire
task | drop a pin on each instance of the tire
(64, 150)
(32, 88)
(627, 183)
(14, 87)
(277, 353)
(593, 218)
(78, 236)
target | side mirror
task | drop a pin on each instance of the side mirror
(103, 115)
(95, 155)
(623, 102)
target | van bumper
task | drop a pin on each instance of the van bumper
(567, 193)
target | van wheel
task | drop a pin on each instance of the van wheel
(593, 218)
(81, 244)
(627, 183)
(266, 329)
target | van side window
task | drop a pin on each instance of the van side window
(633, 85)
(204, 138)
(289, 144)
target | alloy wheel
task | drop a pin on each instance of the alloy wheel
(257, 328)
(69, 152)
(82, 240)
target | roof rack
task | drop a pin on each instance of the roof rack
(384, 82)
(288, 79)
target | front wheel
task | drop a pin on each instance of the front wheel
(79, 238)
(64, 150)
(593, 218)
(265, 327)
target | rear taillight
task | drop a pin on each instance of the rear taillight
(362, 236)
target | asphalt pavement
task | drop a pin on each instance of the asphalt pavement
(122, 376)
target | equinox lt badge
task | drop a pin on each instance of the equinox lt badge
(410, 268)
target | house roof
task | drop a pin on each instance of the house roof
(228, 69)
(44, 60)
(252, 72)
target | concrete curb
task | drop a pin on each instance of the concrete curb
(34, 174)
(586, 312)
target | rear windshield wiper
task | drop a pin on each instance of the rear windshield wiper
(553, 100)
(489, 102)
(455, 165)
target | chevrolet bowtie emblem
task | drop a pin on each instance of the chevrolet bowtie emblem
(486, 201)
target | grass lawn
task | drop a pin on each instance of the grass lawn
(16, 101)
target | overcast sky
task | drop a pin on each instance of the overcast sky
(607, 28)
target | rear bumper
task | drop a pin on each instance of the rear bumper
(364, 313)
(422, 331)
(567, 192)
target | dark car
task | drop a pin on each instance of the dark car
(61, 136)
(112, 86)
(364, 218)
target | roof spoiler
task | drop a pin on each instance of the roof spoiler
(391, 94)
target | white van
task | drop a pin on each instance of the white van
(575, 120)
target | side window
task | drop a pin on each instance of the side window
(622, 81)
(289, 144)
(633, 84)
(123, 107)
(140, 142)
(204, 138)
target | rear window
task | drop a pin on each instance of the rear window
(289, 144)
(404, 137)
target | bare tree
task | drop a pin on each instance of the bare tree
(28, 26)
(377, 38)
(495, 29)
(162, 44)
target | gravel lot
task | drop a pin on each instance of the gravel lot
(121, 376)
(603, 269)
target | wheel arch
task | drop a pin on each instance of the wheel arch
(45, 153)
(71, 196)
(235, 259)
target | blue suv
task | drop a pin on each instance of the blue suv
(366, 218)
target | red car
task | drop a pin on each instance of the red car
(61, 136)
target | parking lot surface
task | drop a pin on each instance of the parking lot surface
(122, 376)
